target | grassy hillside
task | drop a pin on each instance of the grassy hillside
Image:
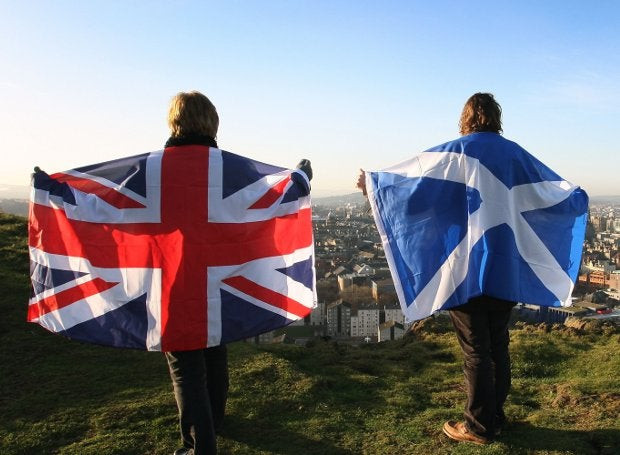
(59, 396)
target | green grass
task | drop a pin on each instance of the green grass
(59, 396)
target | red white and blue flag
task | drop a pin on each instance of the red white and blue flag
(180, 249)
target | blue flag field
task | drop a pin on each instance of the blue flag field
(478, 215)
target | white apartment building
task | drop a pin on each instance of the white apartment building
(394, 313)
(366, 322)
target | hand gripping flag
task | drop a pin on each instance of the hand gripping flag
(181, 249)
(478, 215)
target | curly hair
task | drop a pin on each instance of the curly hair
(481, 113)
(192, 113)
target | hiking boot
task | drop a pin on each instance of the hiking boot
(184, 451)
(459, 432)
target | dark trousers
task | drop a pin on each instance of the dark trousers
(481, 327)
(200, 381)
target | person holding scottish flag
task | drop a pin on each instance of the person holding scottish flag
(473, 226)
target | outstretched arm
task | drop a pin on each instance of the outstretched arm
(361, 182)
(305, 166)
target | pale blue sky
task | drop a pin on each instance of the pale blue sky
(347, 84)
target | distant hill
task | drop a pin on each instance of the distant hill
(358, 198)
(339, 201)
(14, 206)
(14, 191)
(20, 206)
(330, 398)
(14, 199)
(611, 200)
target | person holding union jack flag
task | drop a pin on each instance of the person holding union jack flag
(180, 250)
(200, 376)
(473, 226)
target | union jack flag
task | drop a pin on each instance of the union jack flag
(180, 249)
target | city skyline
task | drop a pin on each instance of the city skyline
(347, 85)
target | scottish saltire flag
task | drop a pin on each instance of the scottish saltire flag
(478, 215)
(178, 249)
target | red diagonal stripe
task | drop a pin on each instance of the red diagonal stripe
(67, 297)
(268, 296)
(271, 196)
(110, 195)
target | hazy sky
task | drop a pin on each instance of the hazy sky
(347, 84)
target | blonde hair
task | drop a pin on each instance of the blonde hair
(192, 113)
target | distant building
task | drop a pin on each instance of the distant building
(614, 295)
(263, 338)
(384, 287)
(593, 307)
(596, 279)
(317, 316)
(390, 330)
(558, 315)
(612, 316)
(614, 280)
(366, 255)
(366, 321)
(363, 270)
(345, 281)
(339, 319)
(393, 313)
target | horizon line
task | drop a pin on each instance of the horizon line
(321, 193)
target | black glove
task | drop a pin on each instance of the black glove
(304, 165)
(36, 171)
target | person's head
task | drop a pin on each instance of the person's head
(481, 113)
(191, 113)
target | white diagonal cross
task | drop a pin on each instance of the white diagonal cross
(132, 283)
(499, 205)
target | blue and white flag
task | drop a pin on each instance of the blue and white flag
(478, 215)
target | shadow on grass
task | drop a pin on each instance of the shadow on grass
(274, 438)
(358, 377)
(52, 373)
(523, 435)
(523, 398)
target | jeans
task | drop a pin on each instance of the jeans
(200, 381)
(481, 327)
